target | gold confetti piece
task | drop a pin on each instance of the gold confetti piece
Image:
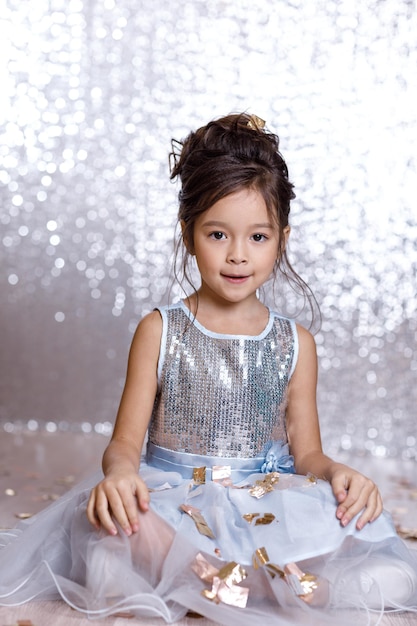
(221, 473)
(232, 573)
(257, 492)
(24, 622)
(399, 510)
(309, 583)
(198, 520)
(193, 614)
(260, 558)
(274, 570)
(210, 595)
(23, 515)
(265, 485)
(249, 517)
(199, 475)
(49, 496)
(10, 492)
(232, 595)
(303, 584)
(311, 478)
(266, 519)
(294, 584)
(224, 582)
(204, 570)
(407, 533)
(65, 480)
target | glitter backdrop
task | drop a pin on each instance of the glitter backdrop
(92, 93)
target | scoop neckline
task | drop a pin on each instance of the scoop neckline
(211, 333)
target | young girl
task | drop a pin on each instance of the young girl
(235, 513)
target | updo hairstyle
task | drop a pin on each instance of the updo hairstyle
(229, 154)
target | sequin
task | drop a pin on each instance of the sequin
(219, 395)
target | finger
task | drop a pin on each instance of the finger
(124, 508)
(371, 512)
(359, 499)
(379, 509)
(142, 495)
(130, 506)
(91, 514)
(119, 508)
(138, 499)
(339, 487)
(358, 496)
(104, 510)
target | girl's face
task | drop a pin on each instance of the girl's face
(236, 245)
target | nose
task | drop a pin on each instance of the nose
(237, 253)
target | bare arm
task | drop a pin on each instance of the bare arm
(122, 491)
(352, 490)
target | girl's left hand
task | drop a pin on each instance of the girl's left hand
(355, 492)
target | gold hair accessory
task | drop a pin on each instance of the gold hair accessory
(255, 123)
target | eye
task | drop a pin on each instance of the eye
(259, 237)
(218, 235)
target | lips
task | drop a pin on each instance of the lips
(235, 278)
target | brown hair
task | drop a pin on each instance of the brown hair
(226, 155)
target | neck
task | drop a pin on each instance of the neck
(239, 318)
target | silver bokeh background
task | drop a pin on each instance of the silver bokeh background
(91, 94)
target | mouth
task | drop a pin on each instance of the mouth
(233, 278)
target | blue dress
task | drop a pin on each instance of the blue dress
(233, 532)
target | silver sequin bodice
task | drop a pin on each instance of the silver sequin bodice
(221, 395)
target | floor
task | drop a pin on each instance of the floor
(36, 468)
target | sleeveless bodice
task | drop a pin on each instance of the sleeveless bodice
(221, 395)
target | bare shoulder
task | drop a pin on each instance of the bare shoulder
(141, 381)
(147, 338)
(150, 325)
(305, 339)
(307, 356)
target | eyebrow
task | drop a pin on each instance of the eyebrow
(213, 223)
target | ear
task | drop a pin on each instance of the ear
(287, 231)
(185, 237)
(283, 244)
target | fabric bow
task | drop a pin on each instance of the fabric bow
(278, 459)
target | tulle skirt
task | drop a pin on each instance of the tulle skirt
(265, 548)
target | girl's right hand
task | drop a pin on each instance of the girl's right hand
(118, 497)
